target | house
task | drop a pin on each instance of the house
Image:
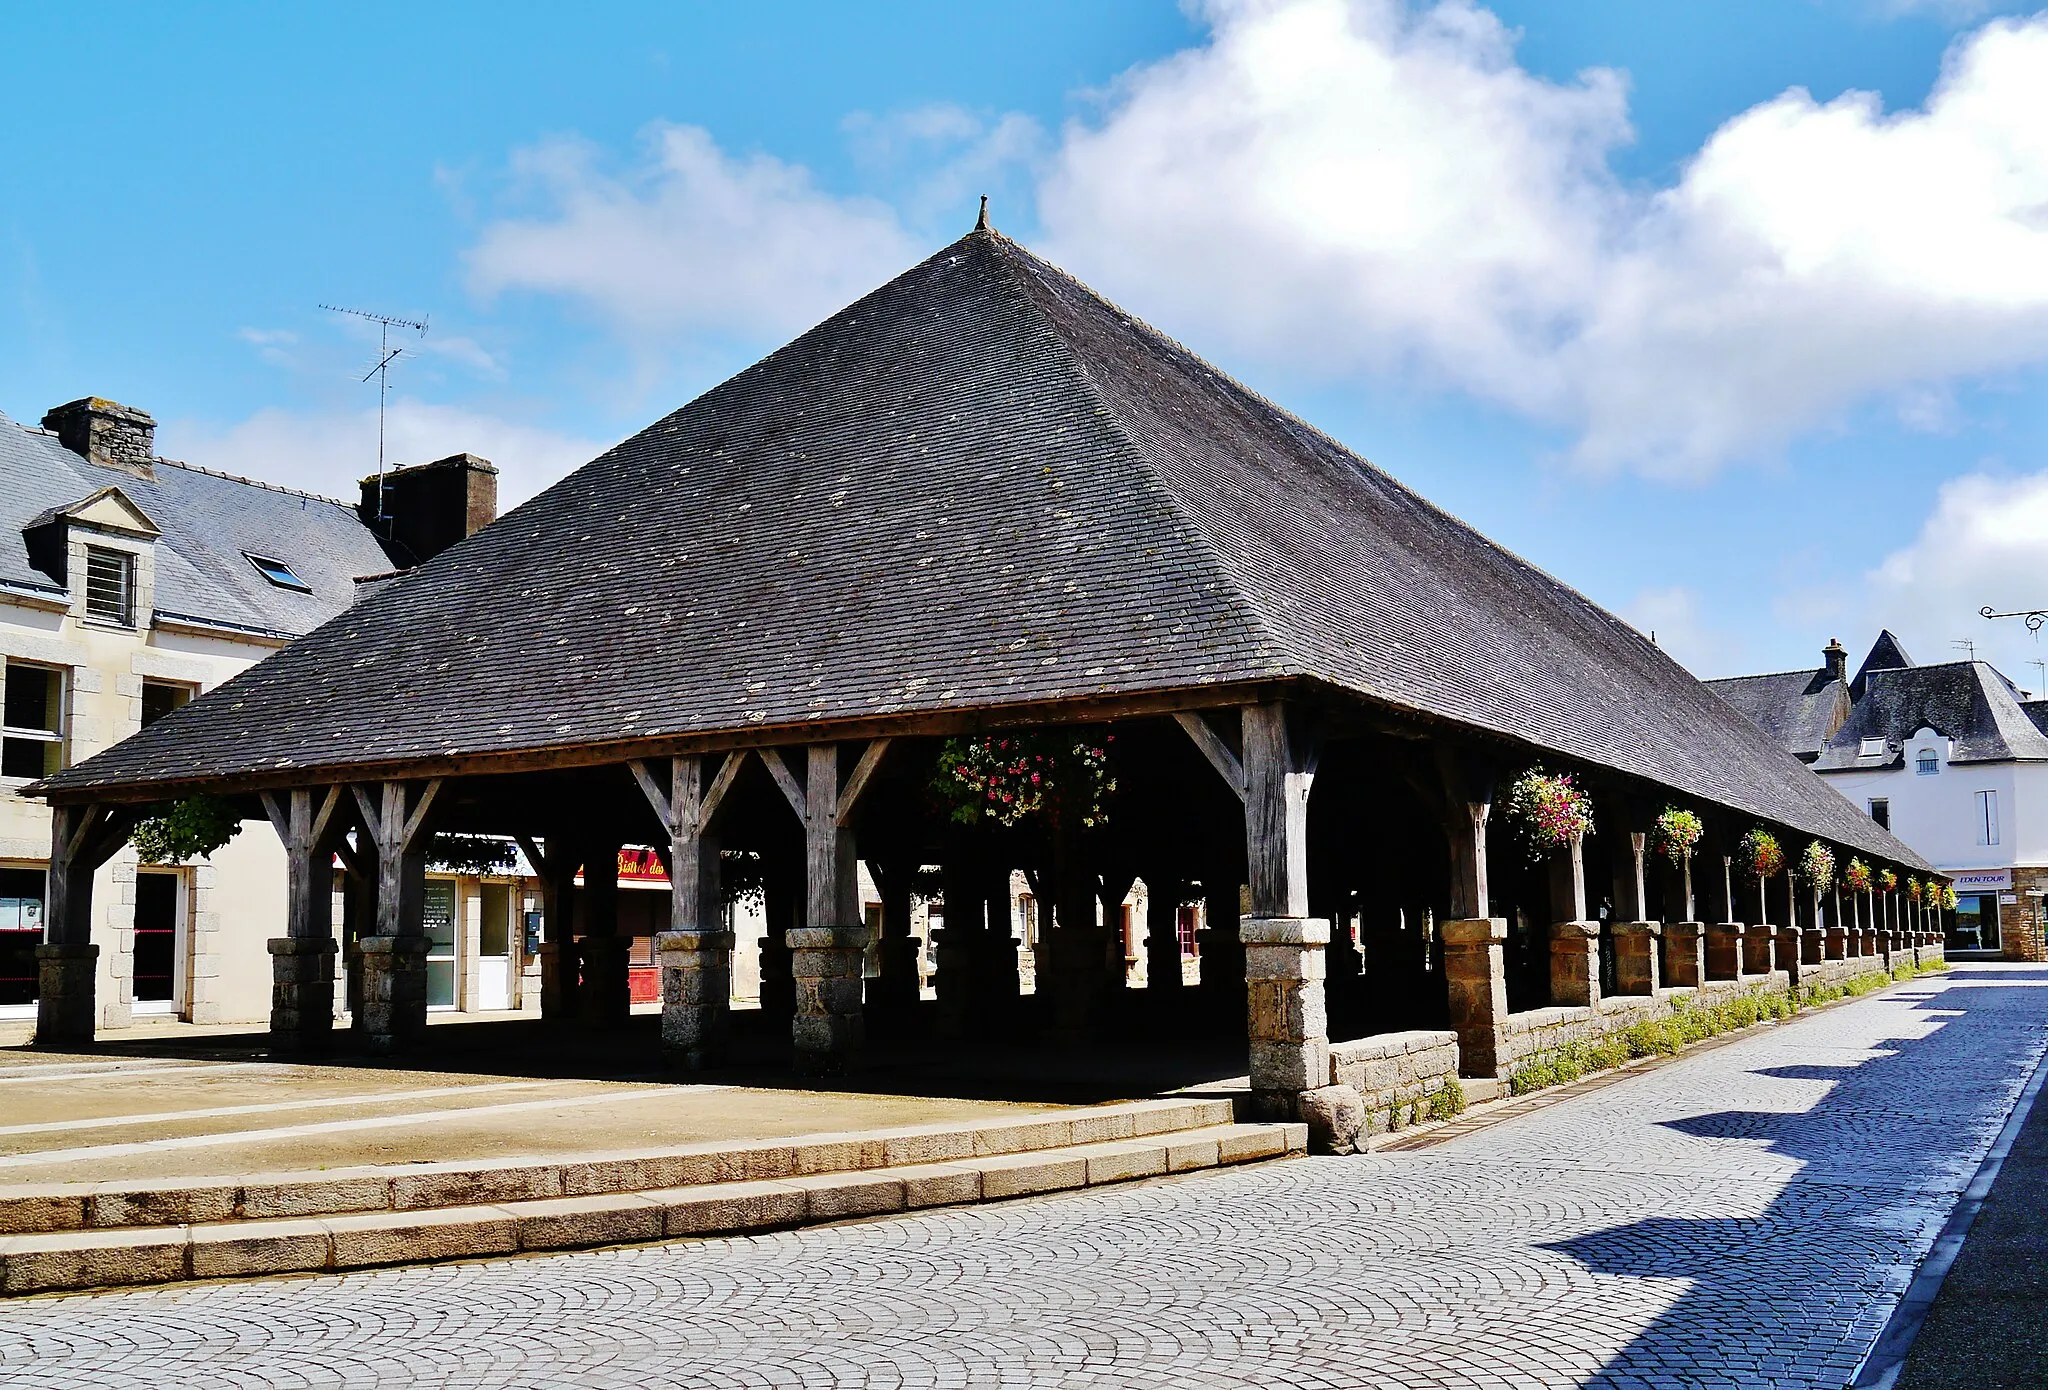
(136, 583)
(1952, 758)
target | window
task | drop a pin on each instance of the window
(21, 931)
(1987, 818)
(278, 573)
(159, 698)
(110, 585)
(1870, 748)
(1881, 811)
(1926, 765)
(32, 744)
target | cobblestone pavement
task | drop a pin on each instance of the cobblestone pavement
(1743, 1217)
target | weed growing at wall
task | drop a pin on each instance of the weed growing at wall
(1653, 1037)
(1445, 1102)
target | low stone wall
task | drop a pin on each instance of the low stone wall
(1525, 1035)
(1390, 1069)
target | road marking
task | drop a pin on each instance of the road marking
(265, 1107)
(252, 1136)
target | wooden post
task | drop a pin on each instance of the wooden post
(695, 953)
(395, 955)
(1574, 938)
(825, 953)
(605, 998)
(81, 839)
(554, 861)
(896, 990)
(302, 960)
(1284, 962)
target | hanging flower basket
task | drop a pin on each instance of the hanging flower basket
(1856, 878)
(1546, 812)
(1817, 865)
(1913, 889)
(1762, 855)
(1887, 880)
(1674, 833)
(1948, 896)
(1007, 778)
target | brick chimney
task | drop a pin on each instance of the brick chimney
(1837, 658)
(430, 506)
(107, 433)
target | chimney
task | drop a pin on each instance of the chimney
(430, 506)
(106, 433)
(1837, 658)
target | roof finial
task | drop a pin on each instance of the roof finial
(981, 222)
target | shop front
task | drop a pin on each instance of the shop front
(1981, 897)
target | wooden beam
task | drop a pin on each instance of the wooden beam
(857, 780)
(1227, 764)
(656, 797)
(720, 785)
(323, 819)
(792, 790)
(418, 817)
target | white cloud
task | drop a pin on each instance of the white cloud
(1673, 619)
(1983, 545)
(694, 241)
(329, 451)
(1358, 187)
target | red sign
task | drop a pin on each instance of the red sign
(640, 866)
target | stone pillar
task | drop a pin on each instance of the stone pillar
(554, 863)
(1836, 943)
(1790, 954)
(956, 947)
(894, 992)
(65, 999)
(1682, 955)
(1475, 976)
(827, 1030)
(1724, 951)
(301, 992)
(1286, 1023)
(394, 991)
(1756, 948)
(696, 996)
(1574, 964)
(1635, 957)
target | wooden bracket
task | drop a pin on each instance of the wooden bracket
(1227, 764)
(857, 781)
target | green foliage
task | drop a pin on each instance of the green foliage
(183, 830)
(1689, 1023)
(1546, 812)
(741, 879)
(1447, 1101)
(1675, 832)
(478, 855)
(1761, 854)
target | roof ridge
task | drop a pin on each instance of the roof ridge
(1772, 675)
(1011, 267)
(253, 482)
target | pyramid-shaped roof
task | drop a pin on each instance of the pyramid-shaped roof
(980, 486)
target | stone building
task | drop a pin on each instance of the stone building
(1952, 758)
(136, 583)
(983, 512)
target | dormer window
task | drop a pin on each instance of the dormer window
(1870, 748)
(1926, 765)
(110, 586)
(277, 572)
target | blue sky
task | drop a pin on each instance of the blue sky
(1645, 292)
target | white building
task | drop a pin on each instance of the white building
(1952, 758)
(133, 584)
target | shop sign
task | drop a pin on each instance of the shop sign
(2008, 899)
(640, 866)
(1982, 880)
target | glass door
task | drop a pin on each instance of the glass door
(21, 931)
(494, 948)
(439, 922)
(159, 920)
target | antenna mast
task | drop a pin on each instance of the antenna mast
(386, 355)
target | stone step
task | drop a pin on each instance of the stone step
(34, 1209)
(96, 1258)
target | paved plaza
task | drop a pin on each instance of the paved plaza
(1744, 1216)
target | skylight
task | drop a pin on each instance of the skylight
(1872, 747)
(278, 573)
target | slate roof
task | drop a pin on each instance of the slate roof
(1798, 709)
(1968, 701)
(1887, 653)
(208, 520)
(981, 485)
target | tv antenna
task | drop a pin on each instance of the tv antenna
(386, 355)
(1967, 645)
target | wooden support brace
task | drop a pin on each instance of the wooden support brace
(1227, 764)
